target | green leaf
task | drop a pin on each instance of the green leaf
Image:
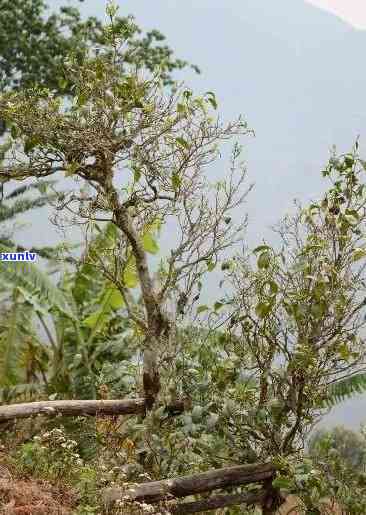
(318, 309)
(149, 244)
(349, 161)
(82, 99)
(71, 168)
(36, 282)
(353, 213)
(136, 175)
(32, 300)
(115, 298)
(345, 389)
(201, 309)
(218, 305)
(226, 265)
(111, 299)
(92, 320)
(344, 352)
(197, 413)
(14, 132)
(87, 282)
(310, 248)
(262, 309)
(176, 181)
(358, 254)
(314, 207)
(187, 94)
(272, 287)
(182, 142)
(200, 102)
(264, 260)
(282, 483)
(62, 84)
(111, 9)
(351, 219)
(261, 248)
(13, 337)
(130, 277)
(212, 99)
(181, 108)
(30, 144)
(211, 266)
(148, 236)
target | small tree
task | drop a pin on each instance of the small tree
(297, 317)
(141, 152)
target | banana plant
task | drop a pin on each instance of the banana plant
(104, 336)
(346, 388)
(27, 294)
(78, 325)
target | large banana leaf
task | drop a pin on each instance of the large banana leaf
(35, 284)
(346, 388)
(88, 282)
(14, 331)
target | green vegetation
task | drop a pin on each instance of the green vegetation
(239, 380)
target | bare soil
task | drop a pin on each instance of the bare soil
(25, 496)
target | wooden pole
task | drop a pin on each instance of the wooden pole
(168, 489)
(80, 408)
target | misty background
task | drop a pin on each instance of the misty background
(296, 74)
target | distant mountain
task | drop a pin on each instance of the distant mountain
(295, 71)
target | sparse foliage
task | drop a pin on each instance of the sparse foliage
(141, 153)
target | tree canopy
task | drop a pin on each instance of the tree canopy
(34, 44)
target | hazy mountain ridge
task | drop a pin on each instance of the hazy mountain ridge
(292, 69)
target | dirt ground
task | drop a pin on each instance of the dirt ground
(30, 497)
(290, 508)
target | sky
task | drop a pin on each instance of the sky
(352, 11)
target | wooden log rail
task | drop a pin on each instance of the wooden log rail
(168, 489)
(79, 408)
